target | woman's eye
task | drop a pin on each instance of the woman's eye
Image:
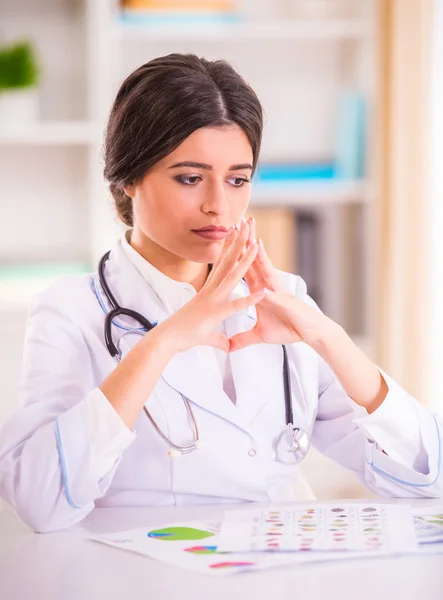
(188, 179)
(238, 181)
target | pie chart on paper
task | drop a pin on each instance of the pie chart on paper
(174, 534)
(202, 550)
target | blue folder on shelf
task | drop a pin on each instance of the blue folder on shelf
(351, 135)
(132, 17)
(288, 173)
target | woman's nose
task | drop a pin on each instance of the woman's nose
(217, 199)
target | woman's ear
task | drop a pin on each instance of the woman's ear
(129, 190)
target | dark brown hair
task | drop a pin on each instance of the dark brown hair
(160, 104)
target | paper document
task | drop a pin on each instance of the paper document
(344, 527)
(428, 523)
(309, 533)
(193, 546)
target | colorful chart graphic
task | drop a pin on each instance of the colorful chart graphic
(436, 519)
(226, 565)
(429, 528)
(202, 549)
(173, 534)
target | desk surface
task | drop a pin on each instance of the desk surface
(65, 565)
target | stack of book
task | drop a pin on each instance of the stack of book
(276, 227)
(167, 11)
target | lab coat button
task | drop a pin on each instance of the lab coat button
(252, 452)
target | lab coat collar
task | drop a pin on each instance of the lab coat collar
(169, 291)
(256, 369)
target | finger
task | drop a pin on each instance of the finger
(231, 257)
(252, 276)
(264, 262)
(253, 273)
(263, 256)
(218, 340)
(229, 239)
(251, 236)
(244, 339)
(243, 265)
(231, 247)
(241, 304)
(251, 230)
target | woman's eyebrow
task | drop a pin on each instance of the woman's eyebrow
(198, 165)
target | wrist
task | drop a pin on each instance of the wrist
(326, 339)
(163, 340)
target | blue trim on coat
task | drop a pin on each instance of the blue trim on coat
(407, 482)
(61, 455)
(103, 307)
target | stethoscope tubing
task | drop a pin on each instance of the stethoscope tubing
(117, 310)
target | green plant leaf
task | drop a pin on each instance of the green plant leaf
(18, 67)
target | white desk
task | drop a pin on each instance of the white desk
(67, 566)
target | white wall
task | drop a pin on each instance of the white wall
(435, 214)
(45, 189)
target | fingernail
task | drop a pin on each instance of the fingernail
(243, 223)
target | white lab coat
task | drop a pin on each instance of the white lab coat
(46, 466)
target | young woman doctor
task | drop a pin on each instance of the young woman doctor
(196, 408)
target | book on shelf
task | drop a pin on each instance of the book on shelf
(331, 259)
(289, 172)
(147, 5)
(350, 137)
(170, 11)
(308, 227)
(347, 160)
(275, 226)
(325, 247)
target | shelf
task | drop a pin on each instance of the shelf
(302, 193)
(50, 133)
(18, 296)
(20, 285)
(327, 29)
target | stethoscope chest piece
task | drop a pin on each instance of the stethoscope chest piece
(292, 445)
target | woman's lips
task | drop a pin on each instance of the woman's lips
(209, 234)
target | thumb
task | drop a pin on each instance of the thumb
(217, 340)
(243, 339)
(243, 303)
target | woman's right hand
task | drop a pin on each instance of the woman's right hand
(194, 323)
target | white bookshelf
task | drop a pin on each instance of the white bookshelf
(308, 193)
(297, 68)
(52, 133)
(269, 31)
(18, 295)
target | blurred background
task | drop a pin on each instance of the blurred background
(348, 189)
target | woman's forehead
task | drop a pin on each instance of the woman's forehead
(213, 146)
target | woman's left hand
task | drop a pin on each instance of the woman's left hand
(282, 318)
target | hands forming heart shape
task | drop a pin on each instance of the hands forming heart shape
(282, 318)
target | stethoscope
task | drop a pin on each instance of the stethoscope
(291, 446)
